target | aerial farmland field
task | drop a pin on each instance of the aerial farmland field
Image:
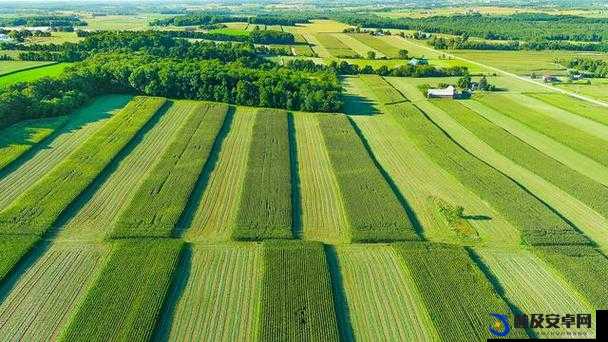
(271, 171)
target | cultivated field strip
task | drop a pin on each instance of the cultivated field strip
(538, 224)
(579, 107)
(583, 217)
(457, 295)
(221, 296)
(566, 117)
(13, 249)
(125, 301)
(384, 302)
(575, 138)
(215, 217)
(37, 209)
(39, 304)
(267, 214)
(407, 87)
(556, 150)
(426, 185)
(532, 285)
(20, 138)
(95, 219)
(356, 45)
(319, 49)
(374, 211)
(591, 211)
(162, 197)
(323, 214)
(386, 49)
(296, 298)
(334, 46)
(380, 90)
(584, 267)
(80, 127)
(354, 102)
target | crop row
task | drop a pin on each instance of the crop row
(380, 45)
(381, 90)
(296, 298)
(334, 46)
(162, 197)
(456, 293)
(125, 301)
(13, 249)
(374, 210)
(20, 138)
(266, 210)
(37, 209)
(570, 104)
(537, 222)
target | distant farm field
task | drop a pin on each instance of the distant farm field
(31, 74)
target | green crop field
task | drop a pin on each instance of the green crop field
(31, 74)
(159, 186)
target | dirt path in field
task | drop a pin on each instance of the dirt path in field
(521, 78)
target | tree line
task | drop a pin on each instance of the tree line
(48, 20)
(591, 67)
(463, 43)
(406, 70)
(142, 73)
(204, 18)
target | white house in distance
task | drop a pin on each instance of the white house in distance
(447, 93)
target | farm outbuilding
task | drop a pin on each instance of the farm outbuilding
(448, 93)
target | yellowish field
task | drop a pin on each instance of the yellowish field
(323, 214)
(216, 214)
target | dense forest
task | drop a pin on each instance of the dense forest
(521, 26)
(589, 66)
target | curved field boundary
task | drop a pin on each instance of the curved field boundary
(40, 302)
(20, 138)
(323, 214)
(42, 158)
(384, 302)
(357, 46)
(125, 301)
(564, 116)
(215, 217)
(583, 217)
(38, 209)
(164, 194)
(422, 181)
(219, 297)
(532, 285)
(455, 291)
(296, 298)
(573, 105)
(267, 213)
(571, 136)
(95, 218)
(543, 143)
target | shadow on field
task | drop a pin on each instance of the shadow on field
(359, 105)
(340, 303)
(196, 196)
(296, 203)
(176, 291)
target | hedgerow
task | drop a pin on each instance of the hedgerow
(265, 210)
(373, 209)
(160, 200)
(37, 209)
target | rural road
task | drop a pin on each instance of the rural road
(526, 79)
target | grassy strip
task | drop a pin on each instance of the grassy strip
(20, 138)
(573, 105)
(37, 209)
(11, 67)
(373, 209)
(456, 293)
(583, 188)
(32, 74)
(381, 90)
(538, 223)
(589, 145)
(265, 210)
(125, 301)
(13, 249)
(297, 302)
(584, 267)
(373, 42)
(162, 197)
